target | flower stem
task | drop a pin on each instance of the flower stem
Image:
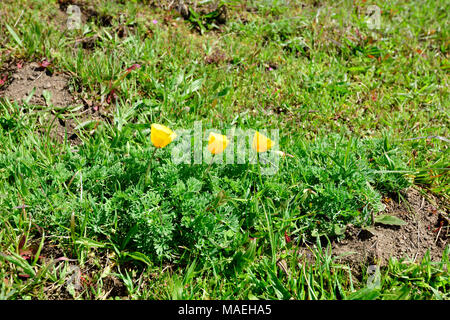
(248, 167)
(149, 168)
(259, 170)
(209, 167)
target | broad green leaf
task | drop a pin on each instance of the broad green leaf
(389, 220)
(140, 257)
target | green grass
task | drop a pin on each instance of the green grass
(362, 111)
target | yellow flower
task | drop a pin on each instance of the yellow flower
(161, 136)
(217, 143)
(261, 143)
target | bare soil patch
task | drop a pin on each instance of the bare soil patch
(80, 277)
(33, 77)
(32, 80)
(426, 229)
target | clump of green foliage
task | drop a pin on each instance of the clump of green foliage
(103, 187)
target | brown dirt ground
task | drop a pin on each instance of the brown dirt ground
(31, 77)
(82, 277)
(427, 228)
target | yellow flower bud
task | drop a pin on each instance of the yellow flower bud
(261, 143)
(161, 136)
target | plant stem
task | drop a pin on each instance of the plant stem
(209, 167)
(259, 170)
(248, 168)
(150, 164)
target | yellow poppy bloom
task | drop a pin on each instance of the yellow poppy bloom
(217, 143)
(261, 143)
(161, 136)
